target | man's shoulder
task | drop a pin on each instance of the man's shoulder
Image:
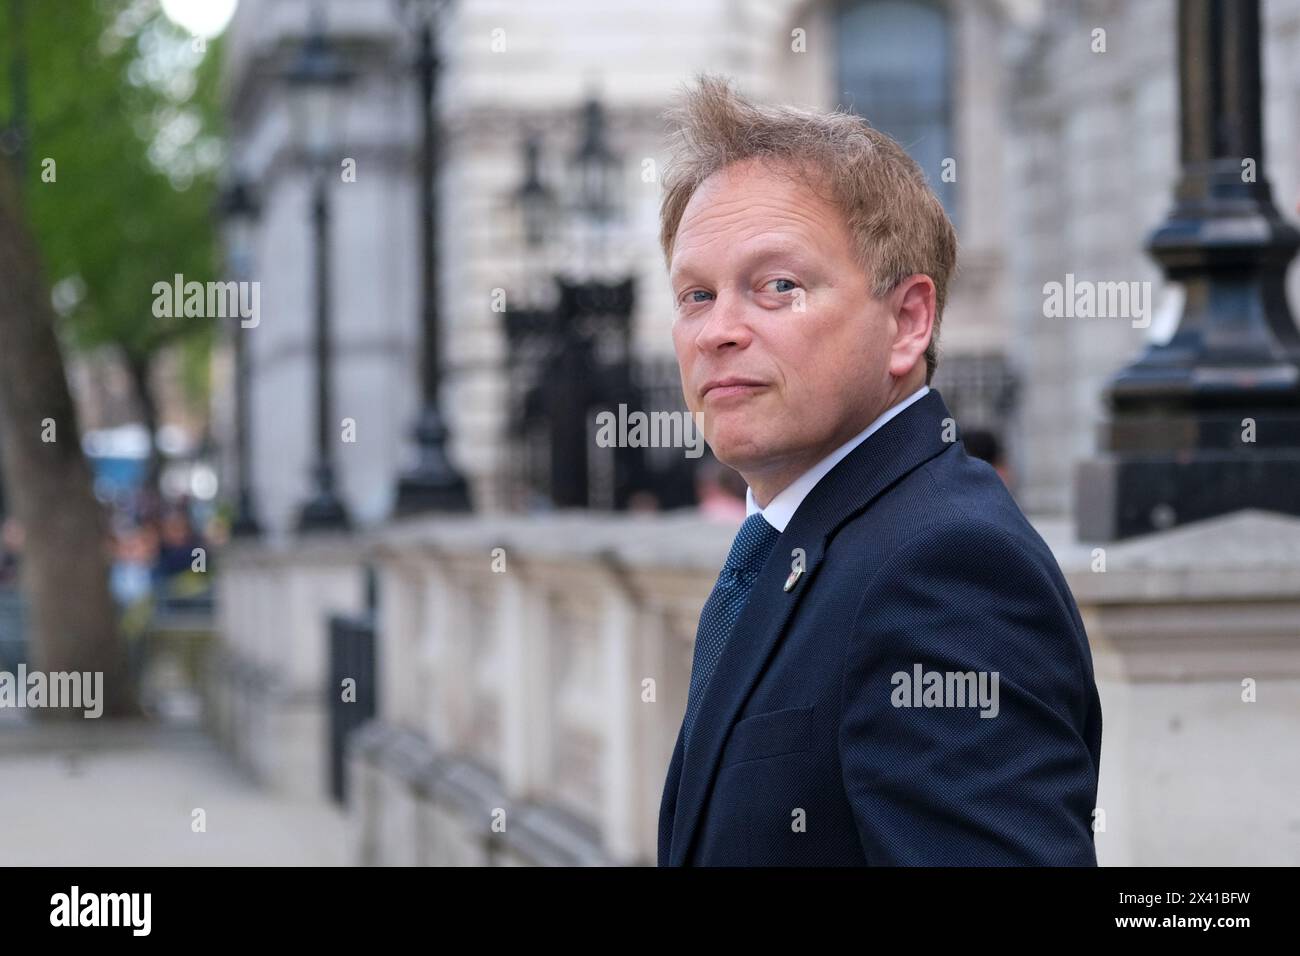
(951, 504)
(949, 544)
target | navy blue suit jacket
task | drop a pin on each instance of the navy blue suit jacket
(803, 754)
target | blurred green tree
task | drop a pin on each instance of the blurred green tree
(120, 159)
(107, 190)
(65, 553)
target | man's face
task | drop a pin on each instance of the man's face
(780, 342)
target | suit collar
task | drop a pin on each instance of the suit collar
(782, 508)
(913, 437)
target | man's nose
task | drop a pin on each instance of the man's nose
(727, 325)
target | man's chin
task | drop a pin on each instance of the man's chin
(741, 452)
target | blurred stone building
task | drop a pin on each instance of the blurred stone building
(523, 690)
(1051, 157)
(1092, 149)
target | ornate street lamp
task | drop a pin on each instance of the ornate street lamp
(596, 168)
(1209, 422)
(562, 363)
(433, 484)
(238, 210)
(316, 79)
(537, 206)
(595, 185)
(535, 199)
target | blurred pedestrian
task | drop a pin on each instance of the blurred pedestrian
(177, 544)
(11, 549)
(983, 444)
(720, 491)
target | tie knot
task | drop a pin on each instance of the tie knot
(753, 544)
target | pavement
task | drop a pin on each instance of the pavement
(106, 793)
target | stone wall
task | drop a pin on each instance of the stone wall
(533, 676)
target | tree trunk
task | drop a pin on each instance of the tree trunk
(65, 560)
(140, 370)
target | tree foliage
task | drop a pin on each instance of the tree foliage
(122, 150)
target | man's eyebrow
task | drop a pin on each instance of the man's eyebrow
(679, 273)
(759, 253)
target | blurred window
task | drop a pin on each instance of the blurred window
(894, 68)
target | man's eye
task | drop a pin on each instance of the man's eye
(690, 296)
(791, 285)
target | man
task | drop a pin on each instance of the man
(890, 668)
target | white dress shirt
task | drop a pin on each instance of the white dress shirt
(781, 509)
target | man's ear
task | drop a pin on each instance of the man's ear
(913, 306)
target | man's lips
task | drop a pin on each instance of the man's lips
(723, 387)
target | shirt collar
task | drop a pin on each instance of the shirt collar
(781, 509)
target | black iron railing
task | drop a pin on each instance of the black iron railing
(352, 689)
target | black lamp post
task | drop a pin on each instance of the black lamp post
(561, 353)
(433, 484)
(596, 171)
(316, 78)
(596, 166)
(535, 199)
(536, 203)
(239, 209)
(1209, 422)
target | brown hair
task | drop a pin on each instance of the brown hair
(899, 225)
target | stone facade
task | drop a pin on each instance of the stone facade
(634, 56)
(1066, 160)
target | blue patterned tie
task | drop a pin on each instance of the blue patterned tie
(749, 551)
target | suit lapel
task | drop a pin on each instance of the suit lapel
(755, 636)
(901, 445)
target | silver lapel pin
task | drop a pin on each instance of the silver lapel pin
(793, 579)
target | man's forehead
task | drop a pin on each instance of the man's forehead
(742, 181)
(771, 242)
(754, 230)
(758, 197)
